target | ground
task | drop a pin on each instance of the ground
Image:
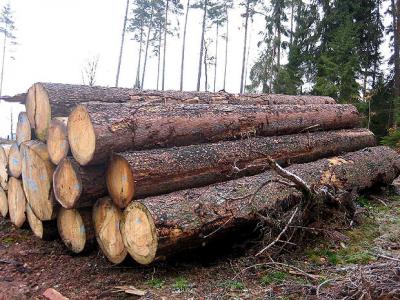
(361, 262)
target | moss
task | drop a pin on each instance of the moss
(8, 241)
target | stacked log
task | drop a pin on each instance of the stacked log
(151, 174)
(4, 151)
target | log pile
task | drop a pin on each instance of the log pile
(151, 174)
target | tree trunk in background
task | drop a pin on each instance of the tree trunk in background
(159, 56)
(165, 45)
(205, 66)
(122, 43)
(184, 44)
(226, 46)
(291, 22)
(137, 82)
(3, 62)
(244, 45)
(203, 30)
(396, 21)
(216, 57)
(146, 51)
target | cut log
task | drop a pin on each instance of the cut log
(3, 203)
(57, 140)
(37, 177)
(16, 202)
(47, 100)
(45, 230)
(76, 229)
(75, 186)
(160, 226)
(146, 173)
(97, 129)
(106, 220)
(24, 130)
(14, 161)
(4, 151)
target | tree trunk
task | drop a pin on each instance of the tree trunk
(4, 151)
(122, 43)
(24, 130)
(3, 203)
(279, 46)
(184, 44)
(165, 44)
(203, 30)
(44, 230)
(57, 140)
(14, 161)
(75, 228)
(205, 67)
(134, 175)
(3, 62)
(159, 56)
(95, 129)
(147, 49)
(16, 202)
(37, 178)
(291, 22)
(106, 220)
(75, 186)
(244, 45)
(226, 46)
(396, 41)
(161, 226)
(216, 58)
(137, 82)
(47, 100)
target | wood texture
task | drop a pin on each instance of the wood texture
(24, 130)
(3, 203)
(159, 226)
(16, 202)
(4, 151)
(138, 174)
(97, 129)
(37, 178)
(14, 161)
(106, 220)
(75, 186)
(57, 140)
(44, 230)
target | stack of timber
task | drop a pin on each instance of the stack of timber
(151, 174)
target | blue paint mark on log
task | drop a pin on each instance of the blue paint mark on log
(124, 179)
(82, 229)
(32, 185)
(15, 161)
(42, 177)
(63, 144)
(77, 186)
(138, 221)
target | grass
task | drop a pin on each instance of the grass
(155, 283)
(8, 241)
(181, 284)
(233, 285)
(273, 278)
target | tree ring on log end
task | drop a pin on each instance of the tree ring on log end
(81, 135)
(120, 182)
(57, 140)
(30, 105)
(67, 184)
(71, 229)
(139, 233)
(3, 203)
(106, 220)
(24, 132)
(42, 114)
(34, 223)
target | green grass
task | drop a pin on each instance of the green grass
(181, 284)
(273, 278)
(155, 283)
(8, 241)
(233, 285)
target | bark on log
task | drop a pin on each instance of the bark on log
(3, 203)
(75, 186)
(159, 226)
(4, 151)
(16, 202)
(24, 130)
(37, 177)
(57, 140)
(138, 174)
(44, 230)
(14, 161)
(96, 129)
(106, 220)
(75, 228)
(47, 100)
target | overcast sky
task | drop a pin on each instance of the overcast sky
(57, 37)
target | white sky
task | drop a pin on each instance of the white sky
(57, 37)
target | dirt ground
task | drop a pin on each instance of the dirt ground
(358, 263)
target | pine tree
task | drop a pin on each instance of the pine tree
(122, 43)
(184, 44)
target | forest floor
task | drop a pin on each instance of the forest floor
(357, 263)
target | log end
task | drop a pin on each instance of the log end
(120, 182)
(71, 229)
(81, 135)
(3, 203)
(139, 233)
(57, 140)
(106, 220)
(34, 223)
(67, 184)
(15, 161)
(24, 132)
(42, 112)
(30, 105)
(16, 202)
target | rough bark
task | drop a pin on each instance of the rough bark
(14, 161)
(95, 129)
(160, 226)
(75, 186)
(57, 140)
(106, 220)
(16, 202)
(37, 178)
(24, 130)
(4, 151)
(45, 230)
(3, 203)
(139, 174)
(75, 228)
